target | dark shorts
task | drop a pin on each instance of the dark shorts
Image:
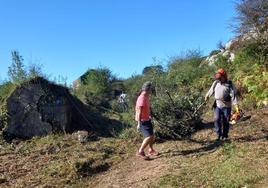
(147, 128)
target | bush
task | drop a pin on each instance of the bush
(248, 69)
(185, 80)
(176, 117)
(5, 90)
(98, 87)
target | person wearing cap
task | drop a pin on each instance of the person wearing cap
(225, 96)
(143, 117)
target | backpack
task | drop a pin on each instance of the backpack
(227, 98)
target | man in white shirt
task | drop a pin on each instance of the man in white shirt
(225, 96)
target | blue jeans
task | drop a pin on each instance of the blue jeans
(221, 121)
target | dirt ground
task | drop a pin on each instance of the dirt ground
(138, 173)
(181, 163)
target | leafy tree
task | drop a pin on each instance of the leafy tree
(17, 72)
(96, 87)
(158, 69)
(97, 80)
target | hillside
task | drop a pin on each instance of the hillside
(85, 135)
(57, 161)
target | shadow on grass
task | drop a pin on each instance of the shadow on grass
(209, 148)
(204, 126)
(250, 138)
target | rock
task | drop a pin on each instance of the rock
(212, 59)
(82, 136)
(226, 54)
(228, 45)
(39, 107)
(30, 126)
(232, 57)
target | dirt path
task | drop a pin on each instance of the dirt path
(134, 172)
(195, 162)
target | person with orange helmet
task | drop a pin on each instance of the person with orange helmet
(225, 96)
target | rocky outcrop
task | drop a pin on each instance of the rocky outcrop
(38, 107)
(228, 51)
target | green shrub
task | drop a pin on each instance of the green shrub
(176, 117)
(97, 87)
(185, 79)
(5, 90)
(253, 75)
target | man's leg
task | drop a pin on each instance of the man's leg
(151, 143)
(145, 143)
(217, 122)
(226, 119)
(152, 151)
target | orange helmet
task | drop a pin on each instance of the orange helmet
(221, 72)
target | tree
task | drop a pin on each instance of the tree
(97, 80)
(252, 18)
(95, 87)
(220, 45)
(154, 69)
(17, 72)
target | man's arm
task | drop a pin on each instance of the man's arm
(139, 112)
(211, 90)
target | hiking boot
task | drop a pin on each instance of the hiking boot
(218, 138)
(153, 153)
(142, 155)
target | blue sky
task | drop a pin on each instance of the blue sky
(69, 36)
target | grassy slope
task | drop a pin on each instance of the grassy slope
(200, 161)
(57, 161)
(240, 162)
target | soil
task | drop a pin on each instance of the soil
(135, 172)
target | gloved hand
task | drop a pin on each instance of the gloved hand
(237, 109)
(139, 126)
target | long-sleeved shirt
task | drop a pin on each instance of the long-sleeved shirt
(222, 91)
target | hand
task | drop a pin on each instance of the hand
(139, 126)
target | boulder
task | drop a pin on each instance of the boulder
(232, 57)
(212, 59)
(39, 107)
(226, 54)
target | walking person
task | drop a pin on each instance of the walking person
(225, 96)
(122, 100)
(143, 117)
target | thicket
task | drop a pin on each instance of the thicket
(99, 87)
(179, 89)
